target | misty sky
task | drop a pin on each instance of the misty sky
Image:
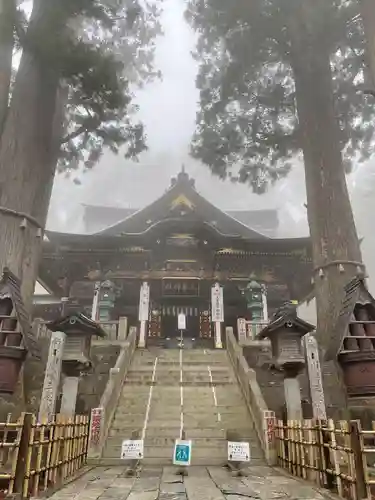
(168, 110)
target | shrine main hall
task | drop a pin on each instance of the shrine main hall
(175, 253)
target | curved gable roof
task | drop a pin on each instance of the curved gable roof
(181, 195)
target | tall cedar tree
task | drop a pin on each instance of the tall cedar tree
(368, 19)
(277, 77)
(70, 98)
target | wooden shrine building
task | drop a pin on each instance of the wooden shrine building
(181, 245)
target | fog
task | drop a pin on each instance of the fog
(168, 109)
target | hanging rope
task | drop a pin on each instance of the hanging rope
(21, 215)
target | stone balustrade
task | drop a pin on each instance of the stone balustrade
(109, 399)
(116, 330)
(263, 418)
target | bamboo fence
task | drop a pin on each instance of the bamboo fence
(337, 456)
(35, 456)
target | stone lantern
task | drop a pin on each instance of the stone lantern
(107, 297)
(254, 300)
(285, 332)
(79, 330)
(16, 336)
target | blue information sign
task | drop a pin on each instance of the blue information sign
(182, 452)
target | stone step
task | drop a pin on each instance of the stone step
(170, 432)
(208, 445)
(195, 462)
(176, 383)
(166, 452)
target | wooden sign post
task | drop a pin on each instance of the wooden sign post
(315, 377)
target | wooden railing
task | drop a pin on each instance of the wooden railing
(37, 456)
(337, 456)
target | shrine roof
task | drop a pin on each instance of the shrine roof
(182, 200)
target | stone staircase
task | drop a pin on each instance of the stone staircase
(169, 390)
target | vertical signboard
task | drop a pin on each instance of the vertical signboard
(315, 377)
(52, 375)
(241, 329)
(181, 321)
(144, 302)
(217, 304)
(96, 423)
(95, 302)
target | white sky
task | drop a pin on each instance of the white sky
(168, 109)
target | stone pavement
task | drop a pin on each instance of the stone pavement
(202, 483)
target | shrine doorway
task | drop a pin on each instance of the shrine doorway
(169, 322)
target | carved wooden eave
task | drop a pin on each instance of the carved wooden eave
(10, 288)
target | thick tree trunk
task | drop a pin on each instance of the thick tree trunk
(368, 19)
(27, 160)
(335, 245)
(7, 11)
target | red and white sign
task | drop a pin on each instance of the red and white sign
(96, 426)
(217, 304)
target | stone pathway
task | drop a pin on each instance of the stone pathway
(202, 483)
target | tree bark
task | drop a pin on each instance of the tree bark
(335, 246)
(28, 158)
(368, 20)
(7, 12)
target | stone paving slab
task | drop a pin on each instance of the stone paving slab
(202, 483)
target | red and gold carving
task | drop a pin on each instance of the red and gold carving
(205, 325)
(154, 328)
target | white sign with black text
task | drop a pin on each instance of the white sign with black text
(238, 451)
(181, 321)
(144, 302)
(132, 449)
(217, 304)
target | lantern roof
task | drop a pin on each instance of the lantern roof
(286, 317)
(76, 323)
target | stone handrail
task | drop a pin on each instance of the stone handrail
(111, 394)
(263, 418)
(116, 331)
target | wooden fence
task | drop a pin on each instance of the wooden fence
(337, 456)
(35, 456)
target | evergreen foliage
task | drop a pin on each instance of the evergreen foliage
(102, 50)
(247, 126)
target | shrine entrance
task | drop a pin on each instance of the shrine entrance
(169, 321)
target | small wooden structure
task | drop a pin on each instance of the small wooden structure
(285, 332)
(355, 345)
(79, 330)
(16, 335)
